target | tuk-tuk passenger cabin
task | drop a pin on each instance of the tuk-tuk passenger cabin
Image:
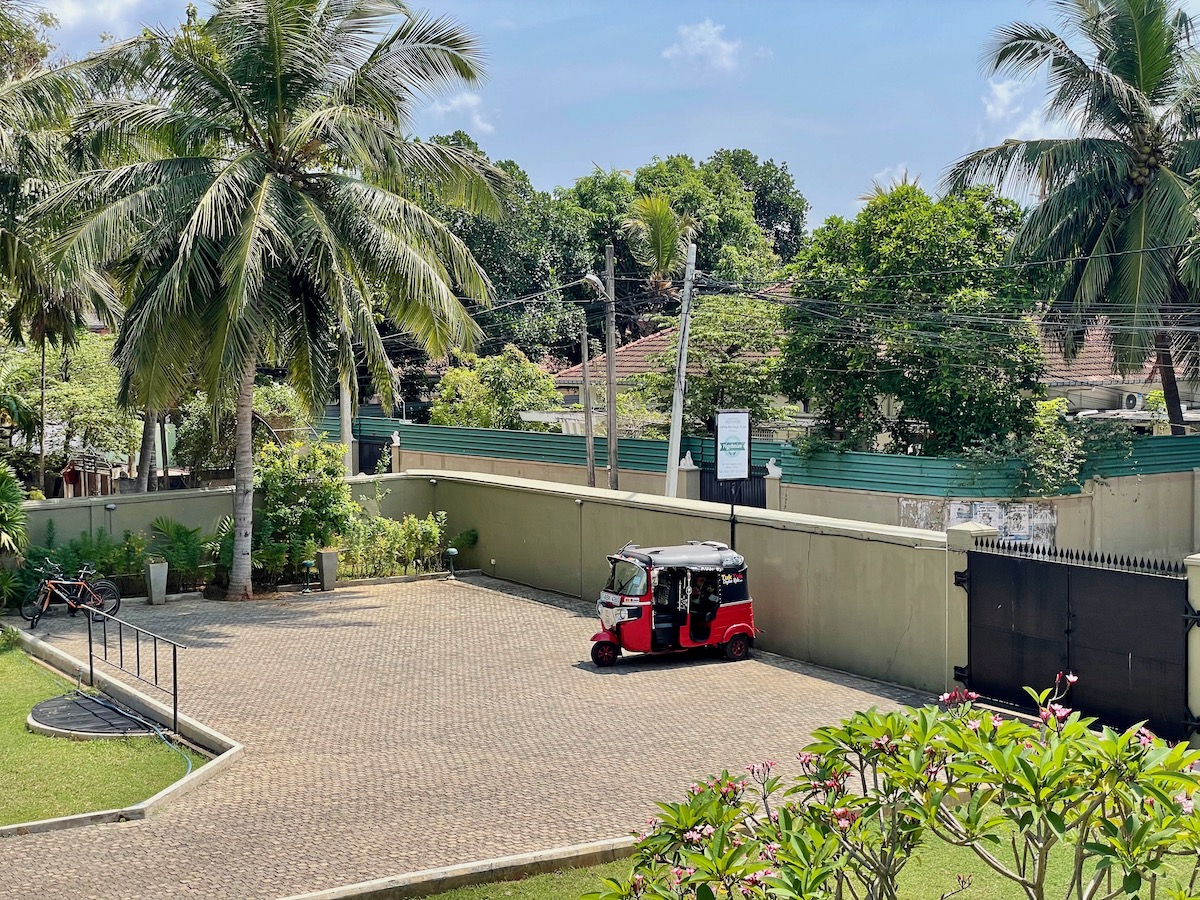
(670, 599)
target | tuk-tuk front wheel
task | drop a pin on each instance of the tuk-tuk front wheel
(605, 653)
(737, 647)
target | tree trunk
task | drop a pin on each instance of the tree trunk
(1166, 371)
(240, 587)
(42, 442)
(146, 463)
(166, 457)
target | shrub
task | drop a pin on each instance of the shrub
(182, 548)
(304, 495)
(123, 561)
(12, 512)
(1110, 807)
(379, 547)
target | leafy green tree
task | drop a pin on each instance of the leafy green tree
(204, 436)
(272, 217)
(730, 244)
(659, 238)
(81, 392)
(25, 40)
(779, 208)
(537, 244)
(873, 319)
(733, 362)
(493, 391)
(1119, 196)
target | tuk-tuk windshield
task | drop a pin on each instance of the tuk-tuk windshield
(627, 579)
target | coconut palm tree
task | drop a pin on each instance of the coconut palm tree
(1118, 201)
(274, 203)
(659, 238)
(44, 305)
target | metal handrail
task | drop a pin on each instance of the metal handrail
(135, 672)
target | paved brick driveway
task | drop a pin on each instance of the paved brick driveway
(409, 726)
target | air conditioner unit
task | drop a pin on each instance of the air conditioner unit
(1133, 401)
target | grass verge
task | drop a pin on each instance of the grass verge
(927, 876)
(43, 777)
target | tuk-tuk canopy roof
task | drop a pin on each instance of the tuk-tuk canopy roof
(709, 556)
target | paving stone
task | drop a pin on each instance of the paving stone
(411, 726)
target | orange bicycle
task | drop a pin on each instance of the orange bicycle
(95, 596)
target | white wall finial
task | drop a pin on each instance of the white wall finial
(773, 469)
(686, 462)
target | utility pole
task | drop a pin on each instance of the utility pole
(588, 430)
(610, 363)
(685, 327)
(346, 423)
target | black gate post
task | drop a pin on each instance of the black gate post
(733, 499)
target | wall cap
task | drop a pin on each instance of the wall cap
(787, 521)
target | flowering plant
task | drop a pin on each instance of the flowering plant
(1111, 807)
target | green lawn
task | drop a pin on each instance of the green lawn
(926, 877)
(43, 777)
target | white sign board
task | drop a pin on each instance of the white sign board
(733, 444)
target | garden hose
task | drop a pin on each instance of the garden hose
(133, 717)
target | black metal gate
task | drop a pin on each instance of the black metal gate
(369, 454)
(1120, 624)
(751, 492)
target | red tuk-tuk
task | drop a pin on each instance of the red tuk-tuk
(669, 599)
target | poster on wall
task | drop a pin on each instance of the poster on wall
(988, 514)
(958, 512)
(917, 512)
(1033, 523)
(733, 444)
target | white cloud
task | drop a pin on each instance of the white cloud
(1036, 126)
(1006, 108)
(467, 105)
(703, 45)
(886, 176)
(103, 13)
(1003, 101)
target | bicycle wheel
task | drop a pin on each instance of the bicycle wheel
(34, 605)
(106, 597)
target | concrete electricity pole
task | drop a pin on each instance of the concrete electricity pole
(587, 406)
(346, 422)
(610, 362)
(685, 327)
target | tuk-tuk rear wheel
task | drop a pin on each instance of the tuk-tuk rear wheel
(737, 647)
(605, 653)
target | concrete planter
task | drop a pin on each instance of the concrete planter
(156, 583)
(327, 565)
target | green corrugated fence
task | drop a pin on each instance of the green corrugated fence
(918, 475)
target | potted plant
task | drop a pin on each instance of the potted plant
(156, 580)
(327, 566)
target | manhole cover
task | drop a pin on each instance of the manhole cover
(85, 716)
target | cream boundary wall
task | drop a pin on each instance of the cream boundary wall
(1144, 515)
(876, 600)
(644, 482)
(202, 508)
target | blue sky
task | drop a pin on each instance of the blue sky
(844, 91)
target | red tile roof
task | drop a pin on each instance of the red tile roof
(631, 359)
(1093, 365)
